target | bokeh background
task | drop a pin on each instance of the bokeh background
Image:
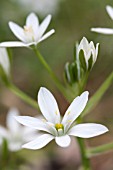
(72, 20)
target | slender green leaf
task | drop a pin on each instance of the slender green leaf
(3, 76)
(94, 151)
(98, 95)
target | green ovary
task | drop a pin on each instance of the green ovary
(59, 126)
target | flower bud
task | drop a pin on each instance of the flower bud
(87, 54)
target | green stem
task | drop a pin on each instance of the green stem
(99, 149)
(82, 83)
(53, 76)
(22, 95)
(4, 154)
(85, 159)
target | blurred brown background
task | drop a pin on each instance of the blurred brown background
(72, 20)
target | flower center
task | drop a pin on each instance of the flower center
(28, 29)
(29, 33)
(59, 126)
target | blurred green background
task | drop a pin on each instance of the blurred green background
(72, 20)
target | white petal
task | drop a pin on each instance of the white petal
(110, 11)
(87, 130)
(102, 30)
(39, 143)
(75, 109)
(63, 141)
(11, 123)
(4, 61)
(30, 134)
(14, 146)
(48, 34)
(35, 123)
(48, 105)
(43, 26)
(13, 44)
(84, 43)
(32, 21)
(3, 132)
(17, 31)
(97, 45)
(94, 51)
(85, 46)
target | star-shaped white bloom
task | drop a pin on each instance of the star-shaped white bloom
(54, 127)
(31, 34)
(109, 31)
(4, 61)
(15, 134)
(88, 50)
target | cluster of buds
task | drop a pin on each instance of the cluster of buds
(84, 59)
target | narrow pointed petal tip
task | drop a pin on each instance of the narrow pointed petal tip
(43, 26)
(86, 93)
(49, 16)
(13, 44)
(109, 10)
(52, 31)
(32, 21)
(48, 105)
(75, 108)
(85, 39)
(32, 14)
(102, 30)
(45, 36)
(88, 130)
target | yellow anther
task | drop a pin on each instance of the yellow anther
(56, 112)
(44, 120)
(69, 121)
(28, 29)
(59, 126)
(68, 112)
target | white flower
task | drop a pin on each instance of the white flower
(42, 7)
(31, 33)
(109, 10)
(15, 134)
(55, 127)
(88, 50)
(4, 61)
